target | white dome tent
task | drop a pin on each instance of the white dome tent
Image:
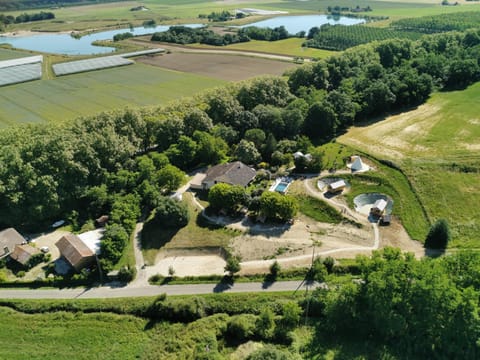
(357, 165)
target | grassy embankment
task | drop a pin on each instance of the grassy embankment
(148, 329)
(438, 147)
(68, 97)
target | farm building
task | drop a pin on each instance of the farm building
(9, 238)
(336, 186)
(23, 253)
(379, 207)
(75, 251)
(235, 173)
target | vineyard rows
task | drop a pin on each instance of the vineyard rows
(341, 37)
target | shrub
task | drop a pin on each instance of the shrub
(438, 236)
(241, 327)
(127, 273)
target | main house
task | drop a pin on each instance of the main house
(234, 173)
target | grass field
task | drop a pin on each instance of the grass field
(190, 237)
(70, 96)
(438, 147)
(292, 47)
(7, 54)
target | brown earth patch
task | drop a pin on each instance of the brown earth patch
(219, 66)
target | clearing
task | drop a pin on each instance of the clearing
(437, 146)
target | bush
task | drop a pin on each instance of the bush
(127, 274)
(241, 327)
(438, 236)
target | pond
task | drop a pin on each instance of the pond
(68, 45)
(295, 24)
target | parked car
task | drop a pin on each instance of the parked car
(44, 249)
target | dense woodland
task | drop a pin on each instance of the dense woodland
(185, 35)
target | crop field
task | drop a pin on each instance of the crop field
(7, 54)
(438, 147)
(89, 93)
(219, 66)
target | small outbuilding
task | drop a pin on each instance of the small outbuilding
(386, 219)
(9, 238)
(23, 253)
(337, 187)
(379, 207)
(75, 251)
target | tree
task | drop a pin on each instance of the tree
(233, 265)
(170, 213)
(247, 152)
(197, 120)
(183, 153)
(210, 149)
(277, 206)
(275, 269)
(256, 136)
(170, 178)
(438, 235)
(226, 196)
(321, 121)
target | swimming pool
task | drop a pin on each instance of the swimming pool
(281, 187)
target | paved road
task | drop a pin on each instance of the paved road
(117, 292)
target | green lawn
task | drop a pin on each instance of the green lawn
(438, 147)
(68, 97)
(196, 235)
(291, 47)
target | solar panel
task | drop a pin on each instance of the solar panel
(20, 73)
(73, 67)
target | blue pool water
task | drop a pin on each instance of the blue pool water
(281, 187)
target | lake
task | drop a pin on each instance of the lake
(295, 24)
(68, 45)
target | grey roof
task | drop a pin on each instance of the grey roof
(78, 66)
(21, 61)
(236, 173)
(8, 239)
